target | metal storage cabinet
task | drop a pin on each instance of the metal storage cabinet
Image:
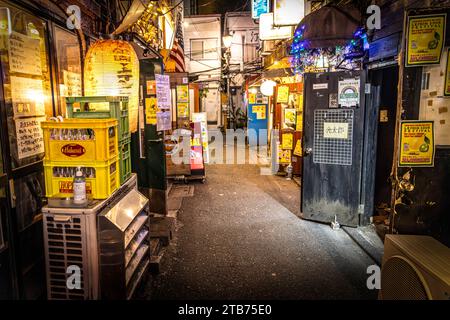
(124, 245)
(72, 238)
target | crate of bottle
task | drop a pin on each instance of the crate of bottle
(102, 178)
(125, 159)
(80, 140)
(104, 107)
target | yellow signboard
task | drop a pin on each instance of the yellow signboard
(260, 111)
(183, 93)
(283, 94)
(151, 108)
(447, 77)
(183, 109)
(284, 156)
(251, 98)
(287, 141)
(298, 148)
(417, 144)
(426, 36)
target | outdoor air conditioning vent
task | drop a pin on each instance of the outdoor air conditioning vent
(415, 268)
(401, 280)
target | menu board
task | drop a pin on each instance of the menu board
(30, 140)
(24, 54)
(27, 97)
(260, 111)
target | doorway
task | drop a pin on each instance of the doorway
(386, 79)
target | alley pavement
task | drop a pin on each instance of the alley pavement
(240, 237)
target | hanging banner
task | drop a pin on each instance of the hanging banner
(288, 12)
(426, 37)
(447, 76)
(417, 144)
(259, 7)
(349, 93)
(183, 93)
(283, 94)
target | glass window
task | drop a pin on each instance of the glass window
(27, 88)
(204, 49)
(69, 66)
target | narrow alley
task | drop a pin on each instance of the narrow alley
(239, 237)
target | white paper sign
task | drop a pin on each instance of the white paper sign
(349, 93)
(335, 130)
(163, 120)
(163, 91)
(30, 139)
(24, 54)
(320, 86)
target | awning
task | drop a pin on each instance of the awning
(135, 11)
(330, 26)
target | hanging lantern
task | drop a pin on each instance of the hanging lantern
(112, 69)
(267, 87)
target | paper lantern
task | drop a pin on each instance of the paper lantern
(267, 87)
(112, 69)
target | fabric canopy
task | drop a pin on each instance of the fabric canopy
(330, 26)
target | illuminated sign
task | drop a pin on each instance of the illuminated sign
(259, 7)
(267, 30)
(288, 12)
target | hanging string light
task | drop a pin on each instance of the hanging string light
(306, 59)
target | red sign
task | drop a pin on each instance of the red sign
(73, 150)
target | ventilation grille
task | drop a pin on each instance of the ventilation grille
(401, 281)
(64, 248)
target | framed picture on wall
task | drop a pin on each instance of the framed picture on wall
(447, 76)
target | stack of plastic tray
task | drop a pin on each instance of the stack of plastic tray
(89, 144)
(107, 107)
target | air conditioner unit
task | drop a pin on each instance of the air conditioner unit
(415, 268)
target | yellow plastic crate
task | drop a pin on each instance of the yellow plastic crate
(102, 178)
(80, 140)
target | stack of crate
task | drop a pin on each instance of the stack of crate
(89, 144)
(115, 107)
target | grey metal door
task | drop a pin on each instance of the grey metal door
(333, 145)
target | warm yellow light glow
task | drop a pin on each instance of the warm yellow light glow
(253, 90)
(112, 69)
(227, 41)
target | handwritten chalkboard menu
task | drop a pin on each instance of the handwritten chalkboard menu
(24, 54)
(30, 140)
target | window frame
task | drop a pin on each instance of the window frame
(191, 55)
